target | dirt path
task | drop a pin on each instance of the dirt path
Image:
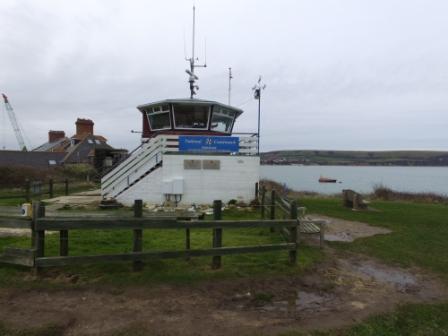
(343, 230)
(338, 293)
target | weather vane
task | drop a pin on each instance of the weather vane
(257, 95)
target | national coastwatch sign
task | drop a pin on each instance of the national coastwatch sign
(226, 144)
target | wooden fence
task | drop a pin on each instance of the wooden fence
(35, 256)
(35, 188)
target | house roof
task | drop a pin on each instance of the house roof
(81, 151)
(33, 159)
(49, 146)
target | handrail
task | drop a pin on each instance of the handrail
(132, 159)
(129, 158)
(136, 172)
(136, 165)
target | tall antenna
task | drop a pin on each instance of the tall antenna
(192, 60)
(230, 83)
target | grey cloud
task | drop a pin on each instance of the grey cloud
(341, 74)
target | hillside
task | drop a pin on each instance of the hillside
(356, 158)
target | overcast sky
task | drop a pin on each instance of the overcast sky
(340, 74)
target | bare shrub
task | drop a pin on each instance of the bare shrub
(388, 194)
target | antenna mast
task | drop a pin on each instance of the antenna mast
(192, 77)
(230, 83)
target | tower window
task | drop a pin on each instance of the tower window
(159, 117)
(222, 119)
(188, 116)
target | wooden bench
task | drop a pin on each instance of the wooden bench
(308, 226)
(354, 200)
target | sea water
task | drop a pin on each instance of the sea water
(359, 178)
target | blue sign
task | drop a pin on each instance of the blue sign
(193, 143)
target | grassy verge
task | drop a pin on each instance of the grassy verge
(420, 233)
(177, 271)
(419, 237)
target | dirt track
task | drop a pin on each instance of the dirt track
(337, 293)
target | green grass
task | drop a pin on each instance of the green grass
(15, 196)
(179, 271)
(419, 237)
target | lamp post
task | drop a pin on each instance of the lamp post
(257, 95)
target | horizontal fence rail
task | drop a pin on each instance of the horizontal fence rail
(55, 224)
(141, 256)
(15, 223)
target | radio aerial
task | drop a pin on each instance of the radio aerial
(192, 60)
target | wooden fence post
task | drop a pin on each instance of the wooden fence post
(137, 265)
(217, 233)
(35, 207)
(256, 191)
(63, 243)
(272, 212)
(355, 201)
(38, 236)
(66, 186)
(294, 233)
(50, 188)
(27, 190)
(273, 204)
(263, 201)
(187, 241)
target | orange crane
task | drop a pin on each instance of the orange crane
(14, 123)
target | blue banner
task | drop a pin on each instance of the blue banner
(192, 143)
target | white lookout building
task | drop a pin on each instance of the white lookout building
(188, 155)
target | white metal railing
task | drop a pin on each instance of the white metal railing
(149, 154)
(125, 173)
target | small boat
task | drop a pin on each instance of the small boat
(327, 180)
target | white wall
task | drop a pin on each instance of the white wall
(235, 179)
(148, 189)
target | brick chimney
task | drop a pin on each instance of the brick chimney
(55, 135)
(84, 127)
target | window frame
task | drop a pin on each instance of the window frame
(216, 110)
(160, 111)
(207, 124)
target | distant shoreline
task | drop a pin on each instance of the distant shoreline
(355, 158)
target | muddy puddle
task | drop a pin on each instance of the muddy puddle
(301, 301)
(401, 280)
